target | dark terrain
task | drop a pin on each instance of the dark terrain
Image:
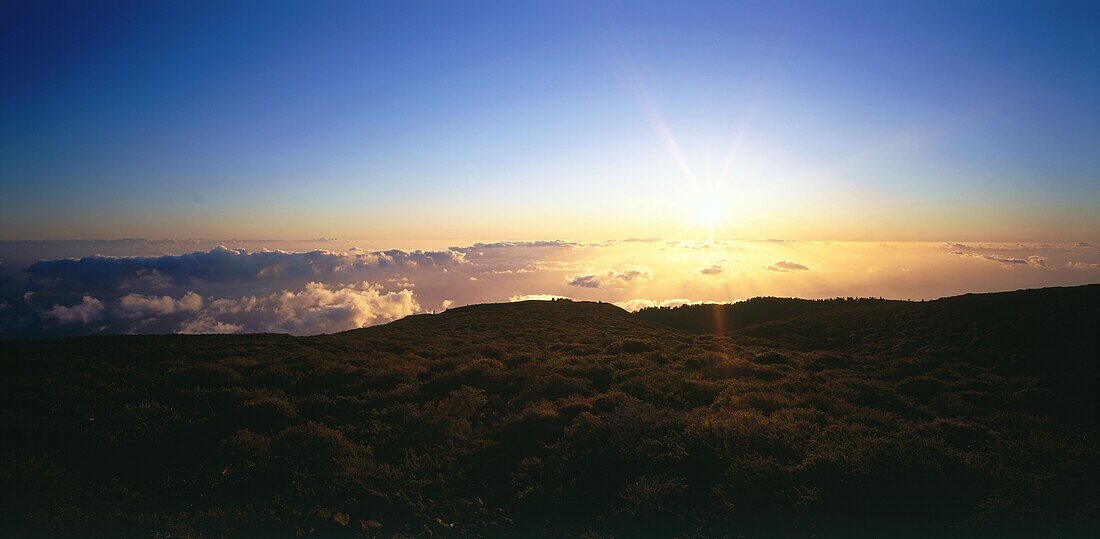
(970, 416)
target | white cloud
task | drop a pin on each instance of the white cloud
(87, 311)
(135, 306)
(317, 308)
(206, 323)
(610, 279)
(320, 309)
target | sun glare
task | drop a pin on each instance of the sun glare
(709, 212)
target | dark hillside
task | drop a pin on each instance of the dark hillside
(723, 318)
(972, 416)
(1021, 323)
(519, 324)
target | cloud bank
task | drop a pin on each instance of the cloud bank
(225, 265)
(317, 308)
(334, 286)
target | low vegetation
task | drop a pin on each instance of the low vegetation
(969, 416)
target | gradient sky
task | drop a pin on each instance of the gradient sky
(519, 120)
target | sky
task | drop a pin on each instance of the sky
(311, 167)
(418, 121)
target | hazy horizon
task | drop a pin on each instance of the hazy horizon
(327, 285)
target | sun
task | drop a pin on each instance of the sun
(709, 212)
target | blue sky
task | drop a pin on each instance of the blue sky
(866, 120)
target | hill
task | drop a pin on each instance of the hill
(966, 416)
(724, 318)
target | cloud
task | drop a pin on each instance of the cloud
(510, 244)
(1006, 261)
(610, 278)
(585, 281)
(119, 241)
(784, 266)
(322, 309)
(247, 288)
(314, 308)
(135, 306)
(1082, 266)
(1001, 248)
(713, 269)
(87, 311)
(225, 265)
(962, 247)
(206, 324)
(1034, 261)
(702, 245)
(408, 259)
(317, 308)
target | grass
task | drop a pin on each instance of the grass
(967, 416)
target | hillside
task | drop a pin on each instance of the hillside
(724, 318)
(966, 416)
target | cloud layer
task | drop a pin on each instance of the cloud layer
(317, 308)
(335, 286)
(225, 265)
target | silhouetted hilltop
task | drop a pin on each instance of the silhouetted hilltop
(1016, 324)
(517, 323)
(1015, 327)
(972, 416)
(727, 317)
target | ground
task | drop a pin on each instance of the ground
(966, 416)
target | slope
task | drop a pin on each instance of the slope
(562, 419)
